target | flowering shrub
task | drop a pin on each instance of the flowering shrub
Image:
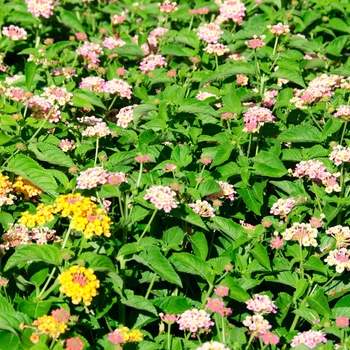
(174, 175)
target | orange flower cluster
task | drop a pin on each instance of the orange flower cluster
(79, 283)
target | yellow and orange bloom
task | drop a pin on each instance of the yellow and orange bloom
(80, 284)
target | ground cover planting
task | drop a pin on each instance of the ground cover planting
(174, 175)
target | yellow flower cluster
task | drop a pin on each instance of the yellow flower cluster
(132, 336)
(47, 324)
(86, 215)
(43, 215)
(79, 283)
(5, 188)
(26, 188)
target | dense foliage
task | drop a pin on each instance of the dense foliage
(174, 175)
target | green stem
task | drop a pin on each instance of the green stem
(42, 124)
(257, 67)
(140, 175)
(55, 268)
(200, 176)
(151, 285)
(223, 329)
(343, 133)
(216, 316)
(111, 105)
(249, 144)
(82, 243)
(216, 62)
(301, 267)
(148, 225)
(169, 337)
(96, 151)
(317, 198)
(250, 341)
(38, 34)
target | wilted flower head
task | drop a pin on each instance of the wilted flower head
(203, 208)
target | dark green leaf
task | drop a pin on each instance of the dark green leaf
(30, 69)
(304, 133)
(71, 21)
(286, 73)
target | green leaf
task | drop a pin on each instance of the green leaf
(223, 153)
(173, 50)
(199, 245)
(161, 265)
(190, 216)
(30, 170)
(10, 341)
(54, 49)
(181, 155)
(319, 303)
(30, 69)
(283, 302)
(300, 289)
(209, 187)
(336, 46)
(50, 154)
(291, 188)
(5, 305)
(267, 164)
(34, 309)
(249, 198)
(338, 24)
(228, 226)
(129, 49)
(173, 305)
(5, 219)
(304, 133)
(11, 321)
(260, 254)
(138, 302)
(293, 76)
(309, 315)
(71, 21)
(232, 101)
(49, 254)
(236, 291)
(192, 263)
(173, 236)
(228, 70)
(331, 127)
(194, 106)
(342, 307)
(97, 262)
(315, 264)
(87, 96)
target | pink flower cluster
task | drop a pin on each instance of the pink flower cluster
(343, 111)
(279, 29)
(170, 319)
(118, 19)
(195, 320)
(96, 176)
(283, 207)
(227, 191)
(316, 171)
(242, 80)
(57, 94)
(221, 291)
(67, 145)
(212, 345)
(200, 11)
(340, 258)
(95, 84)
(42, 107)
(261, 304)
(98, 127)
(14, 33)
(341, 234)
(167, 6)
(154, 35)
(303, 233)
(309, 338)
(256, 43)
(203, 208)
(112, 42)
(217, 305)
(319, 89)
(231, 9)
(269, 98)
(152, 62)
(216, 49)
(209, 32)
(162, 197)
(125, 116)
(68, 72)
(255, 117)
(20, 234)
(16, 94)
(41, 7)
(90, 52)
(257, 325)
(340, 155)
(118, 86)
